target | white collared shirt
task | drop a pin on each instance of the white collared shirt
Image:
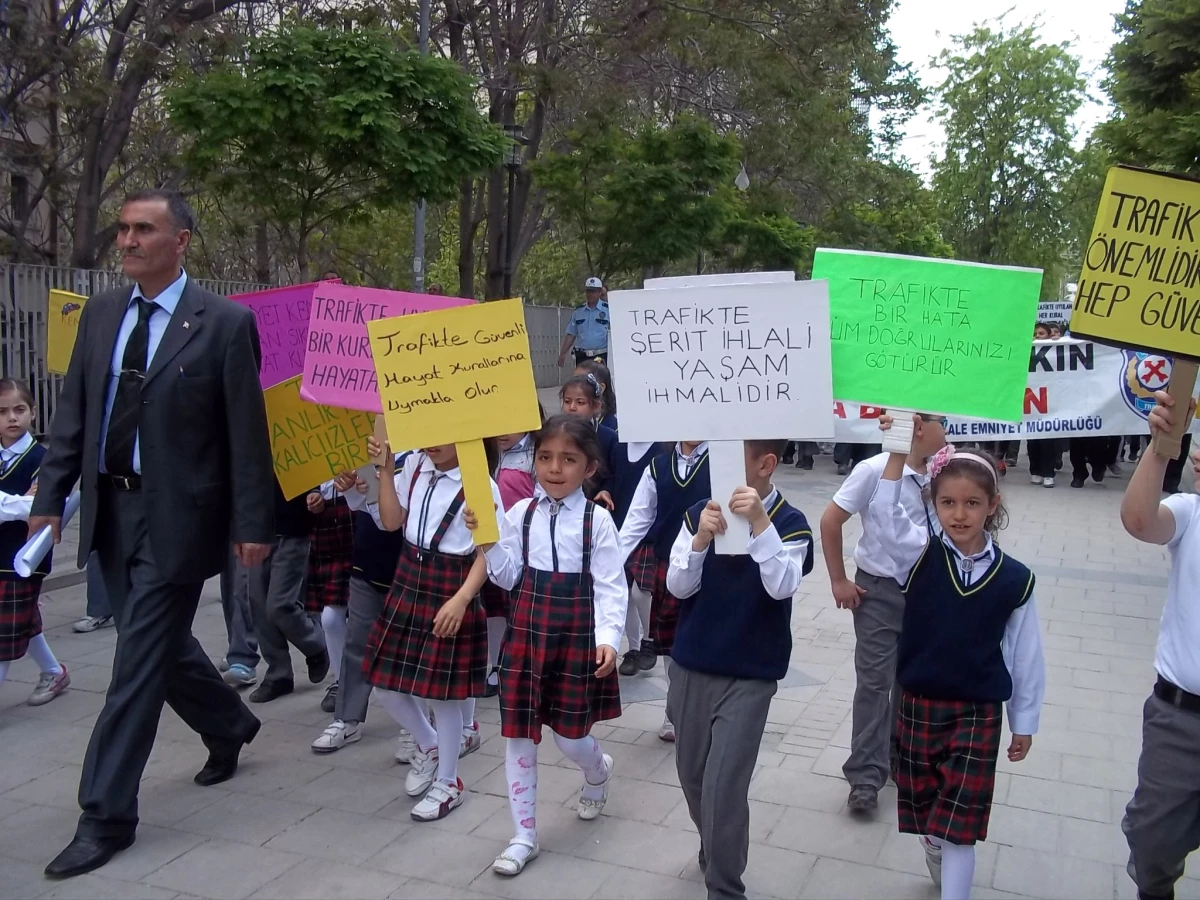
(429, 506)
(1177, 657)
(904, 540)
(780, 565)
(518, 456)
(167, 301)
(854, 496)
(610, 593)
(15, 507)
(643, 509)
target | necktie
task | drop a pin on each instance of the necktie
(126, 409)
(555, 506)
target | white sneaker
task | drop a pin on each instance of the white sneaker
(667, 732)
(1035, 479)
(470, 740)
(933, 860)
(336, 736)
(439, 801)
(423, 770)
(588, 808)
(404, 749)
(1048, 482)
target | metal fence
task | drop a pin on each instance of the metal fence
(24, 301)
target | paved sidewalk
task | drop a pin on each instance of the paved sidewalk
(296, 825)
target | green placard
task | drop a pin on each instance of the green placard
(929, 334)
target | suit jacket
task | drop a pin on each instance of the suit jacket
(207, 472)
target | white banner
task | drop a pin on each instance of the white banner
(1075, 389)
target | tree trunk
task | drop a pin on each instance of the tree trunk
(466, 238)
(262, 253)
(496, 225)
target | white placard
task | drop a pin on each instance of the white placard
(727, 471)
(678, 281)
(733, 362)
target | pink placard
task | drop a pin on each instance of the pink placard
(338, 368)
(282, 314)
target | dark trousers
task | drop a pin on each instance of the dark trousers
(157, 660)
(97, 594)
(276, 590)
(1042, 455)
(1089, 452)
(235, 604)
(1175, 467)
(363, 608)
(852, 454)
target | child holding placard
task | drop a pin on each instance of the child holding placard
(1160, 821)
(970, 642)
(20, 619)
(732, 647)
(330, 560)
(673, 482)
(560, 556)
(430, 640)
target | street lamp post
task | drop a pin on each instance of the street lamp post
(512, 162)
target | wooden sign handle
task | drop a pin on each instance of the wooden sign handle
(1183, 383)
(477, 486)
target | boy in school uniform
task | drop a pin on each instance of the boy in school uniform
(727, 658)
(1162, 821)
(276, 588)
(876, 601)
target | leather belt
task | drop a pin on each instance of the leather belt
(122, 482)
(1176, 696)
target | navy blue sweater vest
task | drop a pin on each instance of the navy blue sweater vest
(675, 497)
(732, 627)
(950, 646)
(626, 476)
(17, 480)
(376, 552)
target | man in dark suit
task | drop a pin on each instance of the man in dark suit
(161, 420)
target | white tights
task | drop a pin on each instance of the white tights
(448, 716)
(41, 653)
(520, 766)
(333, 622)
(637, 616)
(958, 869)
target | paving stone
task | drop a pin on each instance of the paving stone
(337, 835)
(829, 834)
(223, 869)
(638, 845)
(319, 879)
(1078, 801)
(1050, 875)
(835, 879)
(245, 818)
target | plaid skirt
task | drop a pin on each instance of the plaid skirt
(947, 753)
(404, 655)
(642, 567)
(330, 558)
(20, 618)
(495, 601)
(548, 663)
(650, 572)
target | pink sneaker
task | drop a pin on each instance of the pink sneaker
(49, 686)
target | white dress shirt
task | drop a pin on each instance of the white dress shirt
(609, 590)
(1177, 657)
(14, 507)
(905, 540)
(167, 301)
(429, 506)
(854, 496)
(780, 564)
(643, 509)
(518, 456)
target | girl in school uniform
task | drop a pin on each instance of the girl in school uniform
(430, 640)
(559, 555)
(672, 483)
(583, 396)
(20, 618)
(970, 643)
(330, 562)
(608, 396)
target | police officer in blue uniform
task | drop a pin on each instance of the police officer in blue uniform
(588, 329)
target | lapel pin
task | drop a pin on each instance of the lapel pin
(187, 324)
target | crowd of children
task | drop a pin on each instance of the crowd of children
(376, 577)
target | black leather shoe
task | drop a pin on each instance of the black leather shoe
(647, 656)
(1077, 482)
(863, 798)
(223, 764)
(318, 666)
(271, 690)
(86, 854)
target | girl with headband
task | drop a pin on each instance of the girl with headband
(970, 643)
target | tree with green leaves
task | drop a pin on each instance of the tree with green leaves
(1006, 104)
(1153, 72)
(320, 124)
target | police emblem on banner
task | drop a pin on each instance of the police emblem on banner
(1141, 376)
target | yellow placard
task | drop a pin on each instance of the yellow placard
(477, 490)
(1140, 286)
(455, 375)
(62, 324)
(310, 444)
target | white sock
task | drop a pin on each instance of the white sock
(447, 716)
(637, 617)
(520, 766)
(468, 714)
(40, 650)
(585, 752)
(4, 672)
(405, 711)
(958, 870)
(333, 621)
(496, 627)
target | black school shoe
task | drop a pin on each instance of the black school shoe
(864, 798)
(271, 690)
(647, 657)
(86, 854)
(318, 666)
(1078, 482)
(629, 663)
